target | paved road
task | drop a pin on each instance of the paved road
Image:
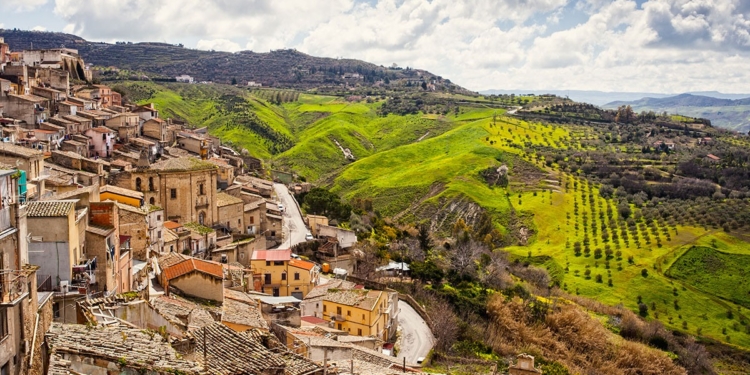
(294, 229)
(416, 337)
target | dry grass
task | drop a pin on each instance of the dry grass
(573, 338)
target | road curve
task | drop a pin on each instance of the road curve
(416, 337)
(294, 229)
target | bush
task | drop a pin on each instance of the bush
(644, 272)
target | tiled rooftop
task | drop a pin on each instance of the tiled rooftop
(182, 164)
(15, 150)
(224, 199)
(242, 313)
(133, 347)
(50, 208)
(101, 231)
(185, 314)
(272, 255)
(194, 264)
(357, 298)
(231, 352)
(322, 290)
(303, 264)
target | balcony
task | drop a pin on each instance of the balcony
(338, 317)
(13, 288)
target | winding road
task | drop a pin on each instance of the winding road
(416, 337)
(294, 229)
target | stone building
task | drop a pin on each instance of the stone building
(31, 162)
(230, 213)
(524, 366)
(184, 187)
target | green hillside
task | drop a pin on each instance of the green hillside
(614, 246)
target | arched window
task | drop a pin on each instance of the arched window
(138, 183)
(201, 217)
(150, 184)
(152, 201)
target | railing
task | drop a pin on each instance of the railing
(43, 283)
(4, 218)
(13, 287)
(337, 317)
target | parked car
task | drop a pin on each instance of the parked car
(281, 207)
(309, 237)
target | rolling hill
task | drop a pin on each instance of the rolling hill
(280, 68)
(726, 113)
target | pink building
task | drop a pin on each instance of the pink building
(102, 140)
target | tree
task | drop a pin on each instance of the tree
(424, 237)
(234, 81)
(426, 271)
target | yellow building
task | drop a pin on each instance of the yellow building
(357, 311)
(122, 195)
(277, 274)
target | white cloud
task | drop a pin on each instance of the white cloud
(218, 45)
(22, 5)
(39, 28)
(669, 45)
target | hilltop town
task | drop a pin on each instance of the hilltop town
(136, 243)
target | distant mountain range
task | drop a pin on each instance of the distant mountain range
(602, 97)
(280, 68)
(726, 113)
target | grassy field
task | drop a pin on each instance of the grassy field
(722, 274)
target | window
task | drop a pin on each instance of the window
(239, 222)
(296, 275)
(268, 263)
(338, 310)
(324, 308)
(267, 278)
(339, 326)
(359, 331)
(283, 276)
(200, 189)
(348, 312)
(173, 193)
(278, 262)
(158, 217)
(3, 323)
(252, 220)
(201, 217)
(152, 201)
(363, 316)
(150, 184)
(138, 183)
(158, 235)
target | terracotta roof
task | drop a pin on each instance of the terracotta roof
(50, 208)
(224, 199)
(305, 265)
(29, 98)
(172, 225)
(313, 320)
(272, 255)
(194, 264)
(171, 259)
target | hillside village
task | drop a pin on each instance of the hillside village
(136, 244)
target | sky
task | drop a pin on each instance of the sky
(667, 46)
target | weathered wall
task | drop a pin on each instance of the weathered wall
(200, 285)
